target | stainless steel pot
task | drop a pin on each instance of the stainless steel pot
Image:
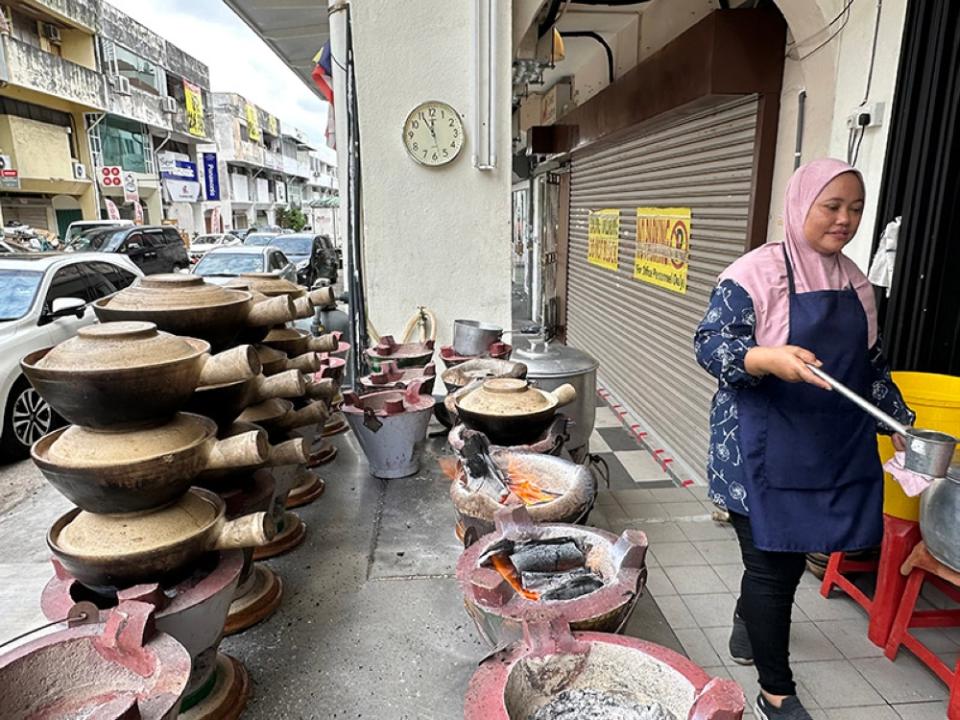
(939, 510)
(471, 337)
(551, 365)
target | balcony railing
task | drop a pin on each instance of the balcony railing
(30, 67)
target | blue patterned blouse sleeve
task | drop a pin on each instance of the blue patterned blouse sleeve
(886, 394)
(725, 335)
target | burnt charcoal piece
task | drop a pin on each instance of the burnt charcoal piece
(553, 555)
(597, 705)
(562, 586)
(501, 547)
(547, 581)
(576, 587)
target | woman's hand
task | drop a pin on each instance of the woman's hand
(899, 442)
(787, 362)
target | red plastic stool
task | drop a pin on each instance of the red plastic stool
(899, 538)
(922, 567)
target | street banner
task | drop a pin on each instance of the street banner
(273, 126)
(131, 189)
(603, 238)
(138, 213)
(281, 193)
(211, 176)
(253, 123)
(112, 212)
(663, 247)
(215, 221)
(111, 176)
(196, 124)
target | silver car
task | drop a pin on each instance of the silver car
(222, 264)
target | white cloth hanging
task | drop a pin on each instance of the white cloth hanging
(885, 259)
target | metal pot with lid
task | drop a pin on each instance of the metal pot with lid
(553, 364)
(939, 510)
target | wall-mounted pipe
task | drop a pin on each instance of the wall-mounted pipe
(485, 80)
(599, 38)
(801, 112)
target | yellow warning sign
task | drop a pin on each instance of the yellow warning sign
(603, 238)
(663, 247)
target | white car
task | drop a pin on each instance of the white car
(202, 244)
(223, 264)
(45, 298)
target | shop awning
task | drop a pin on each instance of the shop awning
(294, 29)
(330, 201)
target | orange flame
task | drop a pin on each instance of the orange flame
(503, 566)
(450, 466)
(524, 485)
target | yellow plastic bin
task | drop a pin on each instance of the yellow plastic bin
(936, 401)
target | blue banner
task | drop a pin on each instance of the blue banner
(211, 176)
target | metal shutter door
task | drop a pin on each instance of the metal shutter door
(33, 215)
(642, 334)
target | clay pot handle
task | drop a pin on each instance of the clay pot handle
(239, 363)
(565, 394)
(324, 343)
(322, 297)
(325, 389)
(309, 362)
(303, 307)
(273, 311)
(286, 384)
(243, 450)
(246, 531)
(315, 412)
(290, 452)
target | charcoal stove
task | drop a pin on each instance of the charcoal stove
(406, 355)
(533, 676)
(499, 605)
(193, 612)
(573, 486)
(117, 668)
(392, 377)
(496, 351)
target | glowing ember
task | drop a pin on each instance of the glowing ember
(503, 566)
(524, 485)
(450, 466)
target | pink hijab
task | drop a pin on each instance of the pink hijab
(763, 273)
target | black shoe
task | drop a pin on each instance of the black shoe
(790, 709)
(741, 652)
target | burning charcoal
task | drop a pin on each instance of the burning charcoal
(597, 705)
(555, 555)
(576, 587)
(547, 581)
(501, 547)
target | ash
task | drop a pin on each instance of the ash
(596, 705)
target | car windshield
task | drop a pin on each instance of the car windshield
(229, 264)
(209, 239)
(259, 239)
(293, 244)
(93, 239)
(19, 290)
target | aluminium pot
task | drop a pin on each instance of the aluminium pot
(110, 552)
(551, 365)
(186, 305)
(141, 469)
(939, 510)
(471, 337)
(226, 401)
(481, 369)
(509, 410)
(124, 375)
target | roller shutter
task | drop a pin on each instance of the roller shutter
(33, 215)
(642, 334)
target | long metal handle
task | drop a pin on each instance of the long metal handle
(859, 401)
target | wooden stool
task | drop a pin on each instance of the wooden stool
(922, 567)
(899, 537)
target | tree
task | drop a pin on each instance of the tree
(292, 218)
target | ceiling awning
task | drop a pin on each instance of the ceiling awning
(294, 29)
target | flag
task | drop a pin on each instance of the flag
(323, 72)
(112, 212)
(331, 132)
(215, 220)
(137, 213)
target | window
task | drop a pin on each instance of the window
(67, 282)
(19, 289)
(24, 28)
(142, 73)
(277, 261)
(124, 144)
(155, 238)
(171, 236)
(117, 277)
(134, 239)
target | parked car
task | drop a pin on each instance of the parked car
(81, 226)
(46, 297)
(220, 265)
(259, 238)
(314, 256)
(152, 248)
(202, 244)
(240, 234)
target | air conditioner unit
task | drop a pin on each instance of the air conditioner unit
(50, 32)
(168, 105)
(122, 84)
(79, 171)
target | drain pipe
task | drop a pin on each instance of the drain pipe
(485, 48)
(801, 111)
(96, 180)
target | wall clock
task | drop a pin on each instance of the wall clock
(433, 133)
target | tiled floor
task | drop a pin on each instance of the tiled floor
(694, 576)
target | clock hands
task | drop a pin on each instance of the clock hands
(433, 133)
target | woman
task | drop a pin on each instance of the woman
(796, 466)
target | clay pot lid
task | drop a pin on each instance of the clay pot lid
(174, 291)
(77, 447)
(268, 284)
(505, 396)
(266, 411)
(120, 345)
(104, 536)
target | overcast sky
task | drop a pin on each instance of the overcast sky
(239, 60)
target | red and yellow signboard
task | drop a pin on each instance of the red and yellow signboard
(603, 238)
(193, 96)
(663, 247)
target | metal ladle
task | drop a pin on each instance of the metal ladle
(929, 452)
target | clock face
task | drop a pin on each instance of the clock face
(433, 133)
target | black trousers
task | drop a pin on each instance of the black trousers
(767, 591)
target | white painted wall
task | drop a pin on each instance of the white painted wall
(438, 237)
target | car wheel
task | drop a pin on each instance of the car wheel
(27, 418)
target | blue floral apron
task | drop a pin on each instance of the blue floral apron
(812, 470)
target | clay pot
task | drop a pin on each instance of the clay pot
(226, 401)
(123, 375)
(141, 469)
(106, 552)
(509, 410)
(278, 416)
(295, 342)
(288, 452)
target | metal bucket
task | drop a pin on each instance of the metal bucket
(393, 445)
(929, 452)
(472, 338)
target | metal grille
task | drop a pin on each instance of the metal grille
(642, 334)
